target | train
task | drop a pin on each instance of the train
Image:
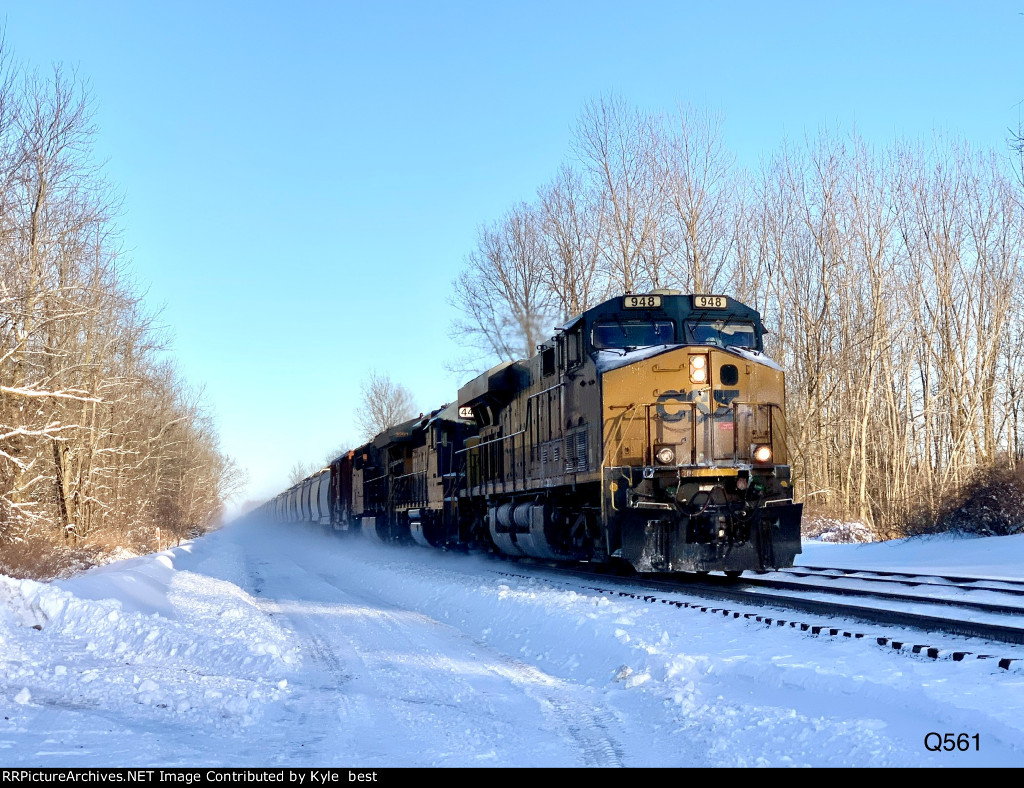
(648, 434)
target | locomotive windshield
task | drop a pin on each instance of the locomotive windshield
(721, 333)
(633, 333)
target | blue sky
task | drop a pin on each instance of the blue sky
(302, 181)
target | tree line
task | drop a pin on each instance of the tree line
(100, 437)
(891, 280)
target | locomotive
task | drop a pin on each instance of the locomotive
(648, 431)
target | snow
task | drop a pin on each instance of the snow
(614, 358)
(275, 646)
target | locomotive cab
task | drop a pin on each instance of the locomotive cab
(695, 471)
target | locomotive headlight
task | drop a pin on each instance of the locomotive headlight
(698, 369)
(665, 455)
(762, 453)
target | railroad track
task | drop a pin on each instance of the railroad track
(917, 590)
(845, 609)
(928, 581)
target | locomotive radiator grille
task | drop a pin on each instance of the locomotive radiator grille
(577, 452)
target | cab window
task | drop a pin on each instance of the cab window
(633, 333)
(573, 351)
(720, 333)
(548, 361)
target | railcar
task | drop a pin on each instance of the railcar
(649, 430)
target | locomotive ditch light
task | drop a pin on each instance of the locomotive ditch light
(699, 369)
(762, 453)
(665, 455)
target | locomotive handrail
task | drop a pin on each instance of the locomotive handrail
(493, 480)
(649, 444)
(407, 475)
(545, 391)
(774, 436)
(492, 440)
(535, 424)
(608, 449)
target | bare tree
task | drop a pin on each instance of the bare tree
(700, 201)
(501, 294)
(572, 213)
(620, 148)
(300, 470)
(384, 405)
(1016, 142)
(53, 202)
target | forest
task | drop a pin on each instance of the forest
(103, 445)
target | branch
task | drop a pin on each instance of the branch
(73, 394)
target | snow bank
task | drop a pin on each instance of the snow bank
(172, 641)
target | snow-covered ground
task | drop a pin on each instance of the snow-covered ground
(270, 646)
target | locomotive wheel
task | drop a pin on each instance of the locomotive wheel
(733, 574)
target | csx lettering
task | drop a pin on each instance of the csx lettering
(675, 396)
(699, 404)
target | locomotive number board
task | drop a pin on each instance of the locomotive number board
(641, 302)
(709, 302)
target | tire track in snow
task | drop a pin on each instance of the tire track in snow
(569, 710)
(451, 698)
(309, 722)
(586, 726)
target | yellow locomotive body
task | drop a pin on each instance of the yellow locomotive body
(650, 429)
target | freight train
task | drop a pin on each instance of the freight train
(649, 432)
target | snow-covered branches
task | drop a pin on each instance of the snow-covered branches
(97, 431)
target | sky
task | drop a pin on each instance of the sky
(271, 646)
(302, 182)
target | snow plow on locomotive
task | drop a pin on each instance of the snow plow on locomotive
(650, 429)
